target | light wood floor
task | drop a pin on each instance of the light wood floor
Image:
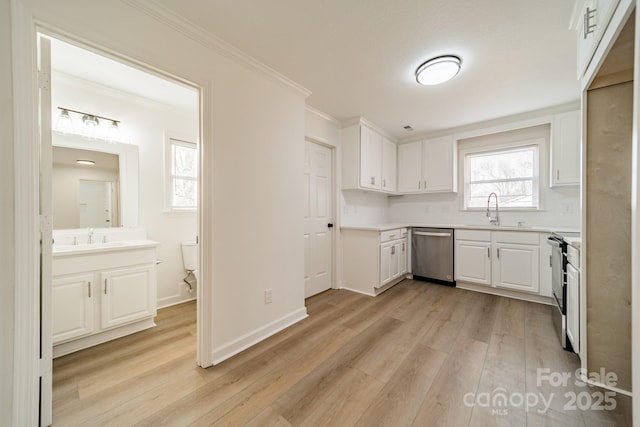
(410, 356)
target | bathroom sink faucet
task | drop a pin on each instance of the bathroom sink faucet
(493, 220)
(90, 235)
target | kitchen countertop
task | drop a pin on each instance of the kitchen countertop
(391, 226)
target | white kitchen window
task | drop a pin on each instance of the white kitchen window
(513, 173)
(181, 175)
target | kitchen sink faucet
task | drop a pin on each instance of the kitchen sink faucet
(493, 220)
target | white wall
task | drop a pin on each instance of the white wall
(144, 123)
(253, 125)
(6, 218)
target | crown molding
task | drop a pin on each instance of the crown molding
(322, 115)
(203, 37)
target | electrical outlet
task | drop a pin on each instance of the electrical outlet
(268, 296)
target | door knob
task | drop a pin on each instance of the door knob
(330, 225)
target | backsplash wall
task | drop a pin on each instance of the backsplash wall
(561, 209)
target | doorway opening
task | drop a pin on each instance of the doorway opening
(152, 195)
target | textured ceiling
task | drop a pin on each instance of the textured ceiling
(358, 56)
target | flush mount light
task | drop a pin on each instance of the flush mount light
(438, 70)
(85, 162)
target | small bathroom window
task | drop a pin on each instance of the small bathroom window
(181, 174)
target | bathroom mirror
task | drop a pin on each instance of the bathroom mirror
(101, 194)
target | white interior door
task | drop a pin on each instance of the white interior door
(318, 227)
(46, 238)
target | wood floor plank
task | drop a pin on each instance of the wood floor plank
(397, 404)
(444, 402)
(268, 418)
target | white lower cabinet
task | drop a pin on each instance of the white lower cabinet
(72, 299)
(516, 266)
(393, 260)
(128, 295)
(500, 259)
(374, 260)
(473, 261)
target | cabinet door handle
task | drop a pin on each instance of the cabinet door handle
(403, 247)
(419, 185)
(89, 289)
(425, 184)
(393, 250)
(588, 27)
(105, 286)
(557, 174)
(488, 252)
(384, 183)
(550, 261)
(498, 250)
(373, 180)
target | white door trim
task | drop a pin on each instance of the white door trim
(26, 247)
(335, 211)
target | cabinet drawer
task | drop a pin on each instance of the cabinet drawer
(386, 236)
(473, 235)
(522, 238)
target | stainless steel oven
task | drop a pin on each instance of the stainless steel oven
(559, 285)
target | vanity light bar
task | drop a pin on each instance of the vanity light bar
(69, 110)
(85, 162)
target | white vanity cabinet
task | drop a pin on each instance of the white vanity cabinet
(565, 149)
(102, 292)
(427, 166)
(374, 260)
(369, 160)
(499, 259)
(72, 298)
(128, 294)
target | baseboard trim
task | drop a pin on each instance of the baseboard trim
(173, 300)
(68, 347)
(260, 334)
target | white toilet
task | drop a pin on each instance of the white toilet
(190, 262)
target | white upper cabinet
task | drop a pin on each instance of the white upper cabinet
(439, 164)
(591, 20)
(389, 165)
(410, 167)
(369, 160)
(565, 149)
(427, 166)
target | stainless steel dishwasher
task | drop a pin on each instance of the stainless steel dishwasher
(432, 255)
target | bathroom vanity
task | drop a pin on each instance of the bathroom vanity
(102, 291)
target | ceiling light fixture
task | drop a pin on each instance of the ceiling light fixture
(85, 162)
(438, 70)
